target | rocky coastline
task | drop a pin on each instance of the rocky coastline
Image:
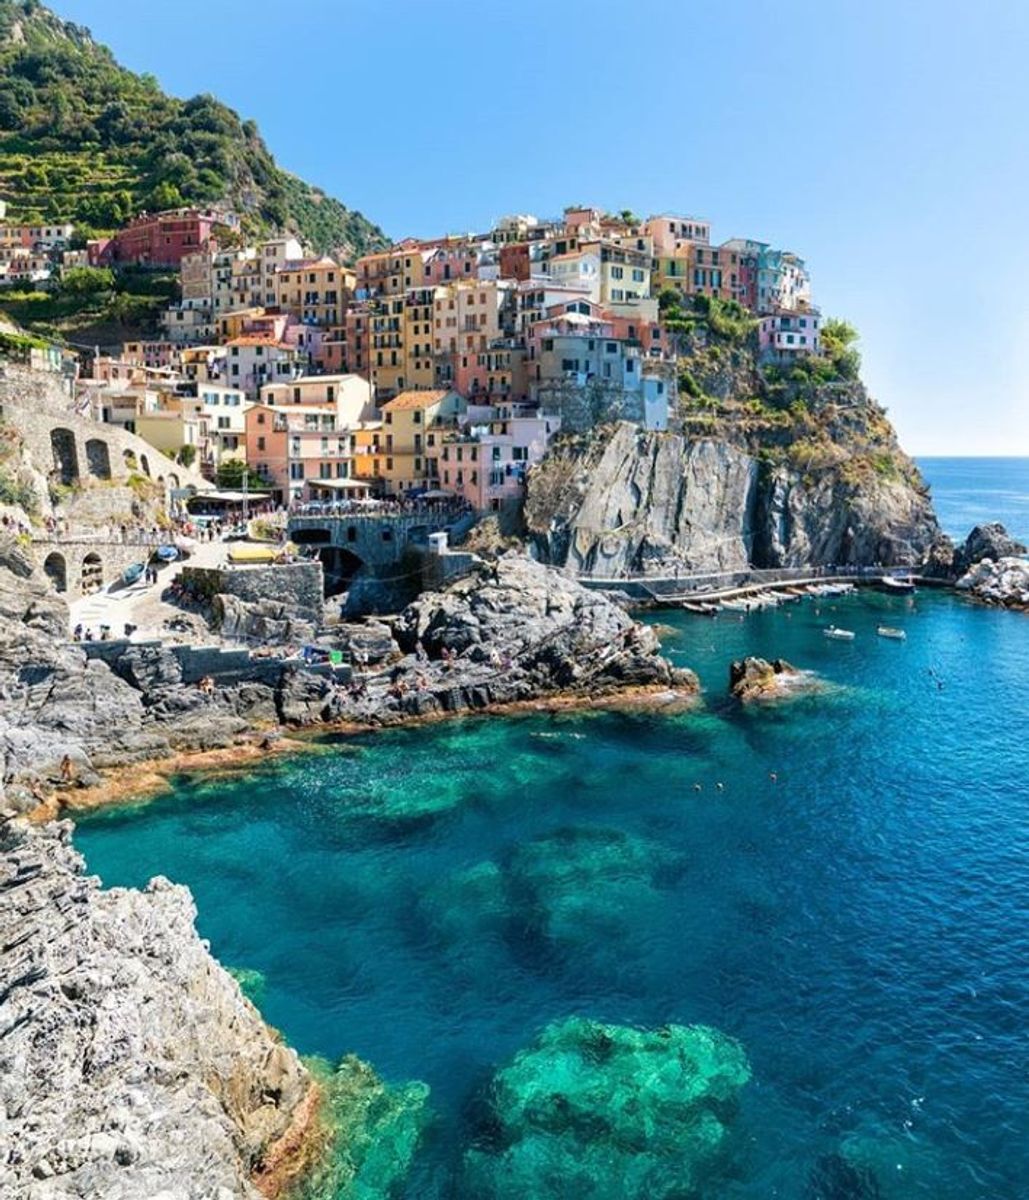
(130, 1062)
(512, 634)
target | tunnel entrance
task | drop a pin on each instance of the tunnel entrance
(339, 567)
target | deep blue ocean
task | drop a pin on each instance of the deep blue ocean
(430, 899)
(971, 491)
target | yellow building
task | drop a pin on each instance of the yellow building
(409, 421)
(419, 367)
(386, 365)
(315, 291)
(369, 451)
(392, 272)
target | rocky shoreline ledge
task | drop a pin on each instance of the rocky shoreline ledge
(513, 633)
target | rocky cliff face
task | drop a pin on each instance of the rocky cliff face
(130, 1063)
(625, 501)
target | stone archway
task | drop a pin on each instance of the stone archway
(98, 458)
(144, 462)
(56, 570)
(173, 481)
(339, 567)
(131, 465)
(92, 573)
(66, 456)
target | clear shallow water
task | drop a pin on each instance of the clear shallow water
(860, 925)
(972, 491)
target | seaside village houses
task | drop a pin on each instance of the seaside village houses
(438, 367)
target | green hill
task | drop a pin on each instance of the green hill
(83, 139)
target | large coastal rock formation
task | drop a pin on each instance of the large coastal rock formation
(513, 631)
(130, 1063)
(1004, 583)
(623, 500)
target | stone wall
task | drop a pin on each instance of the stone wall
(299, 586)
(76, 568)
(63, 447)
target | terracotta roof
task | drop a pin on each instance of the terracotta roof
(407, 400)
(259, 339)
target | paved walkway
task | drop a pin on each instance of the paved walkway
(140, 604)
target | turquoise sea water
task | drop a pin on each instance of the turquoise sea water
(430, 899)
(971, 491)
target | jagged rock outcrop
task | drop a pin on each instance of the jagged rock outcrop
(985, 541)
(1004, 583)
(753, 679)
(130, 1063)
(626, 501)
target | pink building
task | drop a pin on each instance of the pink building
(159, 239)
(783, 336)
(487, 460)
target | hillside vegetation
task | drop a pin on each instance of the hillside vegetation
(86, 140)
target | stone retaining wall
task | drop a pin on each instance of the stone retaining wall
(299, 586)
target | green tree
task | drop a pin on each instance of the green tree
(230, 476)
(838, 346)
(186, 455)
(87, 281)
(164, 195)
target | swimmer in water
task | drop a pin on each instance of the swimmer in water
(773, 776)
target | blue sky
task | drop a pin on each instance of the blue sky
(884, 140)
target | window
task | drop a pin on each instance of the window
(296, 470)
(260, 443)
(611, 347)
(637, 275)
(617, 272)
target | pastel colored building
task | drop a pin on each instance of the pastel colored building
(161, 239)
(294, 448)
(254, 360)
(315, 291)
(671, 235)
(349, 396)
(487, 460)
(419, 363)
(409, 421)
(786, 335)
(782, 282)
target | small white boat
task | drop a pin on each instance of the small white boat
(887, 631)
(897, 585)
(843, 635)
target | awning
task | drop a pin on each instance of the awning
(437, 494)
(340, 485)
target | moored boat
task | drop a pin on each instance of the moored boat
(888, 631)
(843, 635)
(897, 585)
(133, 572)
(167, 553)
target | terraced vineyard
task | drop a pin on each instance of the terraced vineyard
(84, 139)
